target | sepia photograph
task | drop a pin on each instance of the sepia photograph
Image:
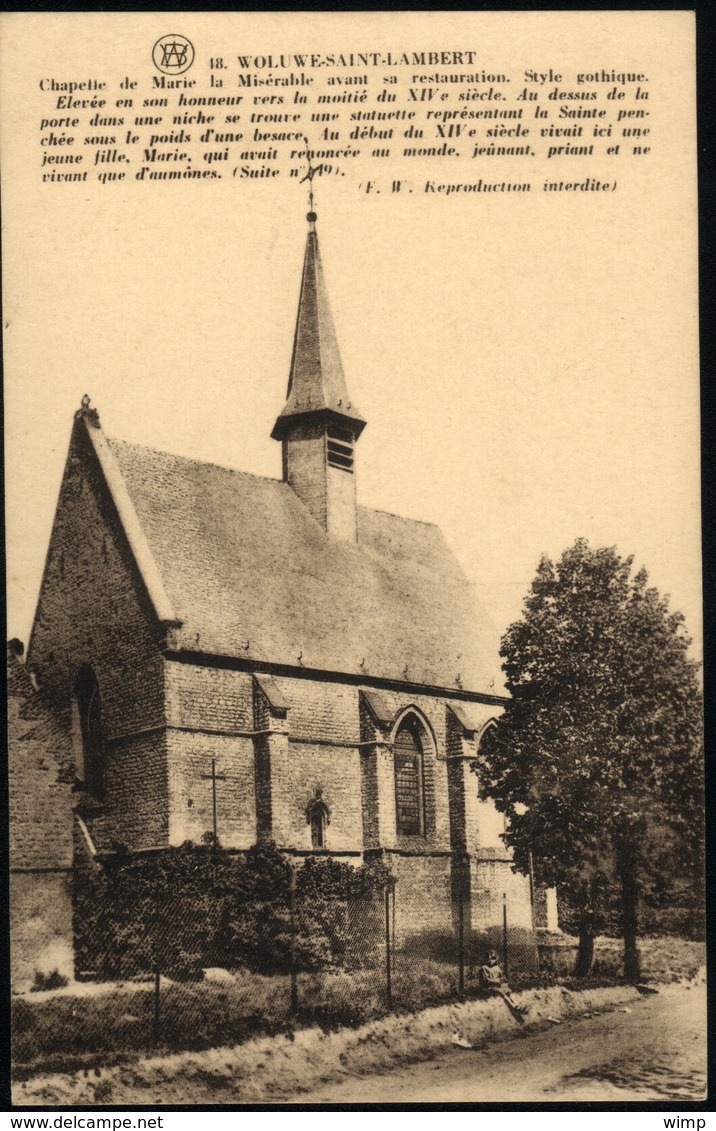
(355, 740)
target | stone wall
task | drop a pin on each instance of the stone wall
(328, 493)
(208, 697)
(304, 467)
(41, 774)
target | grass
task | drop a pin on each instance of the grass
(664, 959)
(65, 1031)
(113, 1023)
(268, 1068)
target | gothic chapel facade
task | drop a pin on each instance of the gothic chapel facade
(323, 661)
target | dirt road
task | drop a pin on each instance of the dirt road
(656, 1051)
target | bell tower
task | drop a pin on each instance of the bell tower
(319, 425)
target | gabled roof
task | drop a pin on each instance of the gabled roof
(245, 571)
(316, 383)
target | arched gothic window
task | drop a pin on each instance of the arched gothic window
(89, 707)
(318, 820)
(409, 789)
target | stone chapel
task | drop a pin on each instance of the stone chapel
(267, 658)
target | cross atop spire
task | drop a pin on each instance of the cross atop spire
(310, 174)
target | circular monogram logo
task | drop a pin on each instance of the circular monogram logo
(173, 54)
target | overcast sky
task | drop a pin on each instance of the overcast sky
(527, 365)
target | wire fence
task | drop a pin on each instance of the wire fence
(290, 961)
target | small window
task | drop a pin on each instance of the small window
(339, 448)
(318, 820)
(409, 803)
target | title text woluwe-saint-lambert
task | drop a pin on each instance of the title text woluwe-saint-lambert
(362, 59)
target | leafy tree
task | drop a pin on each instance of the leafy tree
(597, 758)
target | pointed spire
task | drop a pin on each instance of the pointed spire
(316, 383)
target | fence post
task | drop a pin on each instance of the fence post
(392, 937)
(292, 950)
(388, 985)
(532, 886)
(505, 960)
(533, 896)
(461, 941)
(157, 1003)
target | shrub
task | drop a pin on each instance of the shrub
(196, 906)
(52, 981)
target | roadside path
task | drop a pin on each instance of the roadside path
(657, 1051)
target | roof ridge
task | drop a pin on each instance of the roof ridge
(194, 460)
(404, 517)
(253, 475)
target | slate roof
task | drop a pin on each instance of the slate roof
(250, 573)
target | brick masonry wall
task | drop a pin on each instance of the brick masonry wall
(492, 878)
(423, 903)
(297, 777)
(200, 702)
(41, 774)
(461, 836)
(306, 763)
(205, 697)
(332, 712)
(322, 711)
(262, 787)
(431, 712)
(93, 610)
(279, 777)
(190, 788)
(352, 782)
(138, 786)
(378, 797)
(341, 503)
(328, 493)
(371, 793)
(304, 461)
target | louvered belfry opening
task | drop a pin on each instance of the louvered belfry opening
(409, 803)
(339, 448)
